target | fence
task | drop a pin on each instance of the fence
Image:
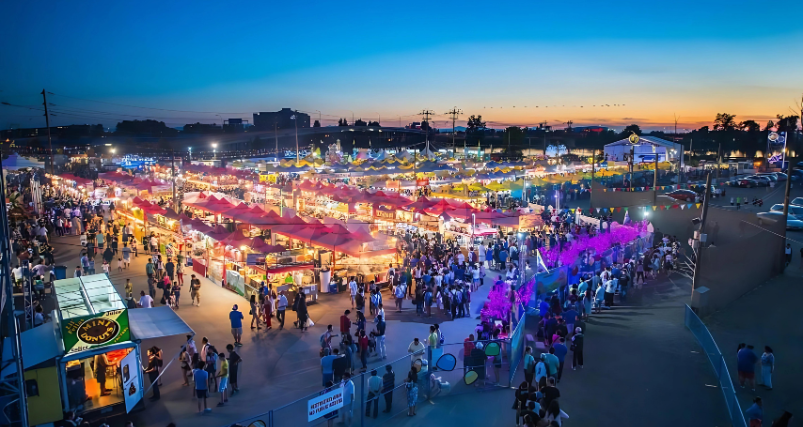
(699, 330)
(447, 370)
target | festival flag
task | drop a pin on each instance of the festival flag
(675, 206)
(698, 205)
(654, 207)
(618, 209)
(689, 206)
(625, 209)
(682, 207)
(597, 210)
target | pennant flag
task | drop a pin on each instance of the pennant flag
(571, 210)
(654, 207)
(618, 209)
(689, 206)
(698, 205)
(675, 206)
(597, 210)
(682, 207)
(625, 209)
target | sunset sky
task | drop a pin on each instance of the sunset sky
(516, 63)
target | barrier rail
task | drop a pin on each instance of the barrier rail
(700, 331)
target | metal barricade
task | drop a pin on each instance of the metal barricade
(703, 336)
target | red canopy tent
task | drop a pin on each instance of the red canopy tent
(199, 225)
(420, 204)
(258, 244)
(219, 233)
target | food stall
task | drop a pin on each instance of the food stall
(92, 345)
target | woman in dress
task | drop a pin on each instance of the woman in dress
(267, 309)
(767, 367)
(254, 312)
(412, 392)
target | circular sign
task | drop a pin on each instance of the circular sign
(773, 136)
(99, 330)
(633, 138)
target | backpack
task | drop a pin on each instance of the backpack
(440, 335)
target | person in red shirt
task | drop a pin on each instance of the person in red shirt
(345, 324)
(363, 343)
(468, 345)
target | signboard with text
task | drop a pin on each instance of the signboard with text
(96, 330)
(324, 404)
(422, 182)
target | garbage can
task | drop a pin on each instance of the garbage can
(60, 272)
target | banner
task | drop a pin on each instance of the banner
(95, 330)
(552, 280)
(528, 221)
(776, 147)
(324, 404)
(393, 185)
(422, 182)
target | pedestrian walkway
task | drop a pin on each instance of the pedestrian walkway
(278, 366)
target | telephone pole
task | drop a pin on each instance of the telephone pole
(455, 113)
(425, 114)
(49, 140)
(700, 234)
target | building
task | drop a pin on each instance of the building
(644, 149)
(234, 125)
(281, 119)
(203, 128)
(598, 129)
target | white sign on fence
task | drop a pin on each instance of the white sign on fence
(324, 404)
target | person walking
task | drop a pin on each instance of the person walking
(767, 367)
(577, 348)
(374, 390)
(224, 379)
(529, 366)
(410, 383)
(201, 378)
(746, 365)
(267, 310)
(388, 384)
(301, 311)
(363, 344)
(234, 368)
(170, 269)
(755, 413)
(236, 319)
(254, 312)
(560, 352)
(352, 290)
(281, 307)
(195, 290)
(380, 338)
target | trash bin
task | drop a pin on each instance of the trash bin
(333, 288)
(60, 272)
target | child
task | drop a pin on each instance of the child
(91, 265)
(106, 267)
(120, 265)
(129, 289)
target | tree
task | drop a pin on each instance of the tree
(374, 123)
(770, 125)
(749, 126)
(425, 126)
(786, 123)
(474, 123)
(725, 121)
(317, 124)
(256, 143)
(634, 128)
(342, 122)
(360, 122)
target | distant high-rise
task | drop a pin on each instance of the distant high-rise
(280, 119)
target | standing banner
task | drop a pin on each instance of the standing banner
(324, 404)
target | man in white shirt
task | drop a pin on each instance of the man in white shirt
(610, 288)
(17, 272)
(416, 348)
(460, 258)
(347, 412)
(352, 290)
(399, 294)
(281, 307)
(145, 301)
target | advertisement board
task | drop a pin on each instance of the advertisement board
(132, 386)
(324, 404)
(552, 280)
(95, 330)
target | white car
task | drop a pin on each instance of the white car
(792, 223)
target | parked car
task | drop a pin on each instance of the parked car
(715, 190)
(795, 210)
(685, 195)
(792, 223)
(761, 181)
(769, 175)
(797, 201)
(745, 183)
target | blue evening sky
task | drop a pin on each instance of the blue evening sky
(646, 60)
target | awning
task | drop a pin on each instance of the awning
(39, 345)
(156, 322)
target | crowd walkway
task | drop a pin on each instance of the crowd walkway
(278, 366)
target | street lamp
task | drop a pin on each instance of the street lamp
(190, 150)
(214, 149)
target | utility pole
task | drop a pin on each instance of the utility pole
(655, 178)
(455, 113)
(276, 138)
(426, 114)
(593, 169)
(173, 175)
(699, 239)
(49, 139)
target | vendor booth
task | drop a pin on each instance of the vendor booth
(89, 358)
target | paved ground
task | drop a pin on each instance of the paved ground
(279, 366)
(767, 316)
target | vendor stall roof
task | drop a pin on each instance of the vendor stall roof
(86, 295)
(156, 322)
(39, 345)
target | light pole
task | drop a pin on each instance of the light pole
(214, 149)
(379, 121)
(190, 150)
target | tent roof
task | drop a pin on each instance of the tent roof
(156, 322)
(39, 345)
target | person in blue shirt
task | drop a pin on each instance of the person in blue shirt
(236, 319)
(570, 316)
(560, 352)
(746, 366)
(755, 412)
(502, 258)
